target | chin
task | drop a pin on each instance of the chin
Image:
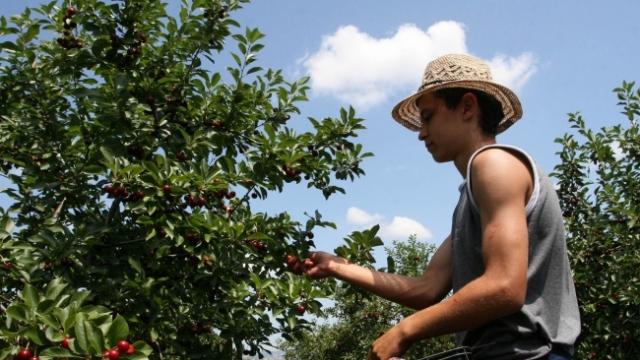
(439, 158)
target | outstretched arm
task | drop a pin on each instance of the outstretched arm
(501, 183)
(415, 292)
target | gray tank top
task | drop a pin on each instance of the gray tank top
(550, 316)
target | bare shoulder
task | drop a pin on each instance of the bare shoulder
(499, 173)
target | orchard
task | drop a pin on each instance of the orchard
(131, 159)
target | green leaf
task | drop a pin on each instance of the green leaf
(62, 314)
(30, 296)
(18, 312)
(57, 353)
(45, 306)
(118, 330)
(81, 332)
(5, 352)
(89, 338)
(49, 319)
(143, 347)
(108, 155)
(55, 288)
(137, 356)
(292, 321)
(33, 31)
(53, 334)
(8, 224)
(35, 335)
(135, 264)
(8, 45)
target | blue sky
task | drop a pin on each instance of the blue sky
(559, 56)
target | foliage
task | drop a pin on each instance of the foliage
(599, 190)
(133, 155)
(358, 318)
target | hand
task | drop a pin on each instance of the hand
(319, 264)
(294, 264)
(390, 345)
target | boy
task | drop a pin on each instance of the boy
(505, 259)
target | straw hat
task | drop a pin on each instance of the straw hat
(458, 71)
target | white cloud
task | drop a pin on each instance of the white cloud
(512, 72)
(365, 71)
(400, 228)
(360, 217)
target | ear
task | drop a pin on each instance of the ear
(469, 106)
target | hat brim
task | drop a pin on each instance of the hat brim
(406, 112)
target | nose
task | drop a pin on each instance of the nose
(422, 133)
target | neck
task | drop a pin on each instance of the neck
(463, 157)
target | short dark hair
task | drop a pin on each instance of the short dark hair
(490, 107)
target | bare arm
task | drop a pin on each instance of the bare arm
(500, 184)
(415, 292)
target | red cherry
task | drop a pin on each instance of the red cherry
(123, 346)
(7, 265)
(131, 350)
(202, 201)
(182, 156)
(217, 124)
(191, 237)
(138, 195)
(65, 342)
(166, 188)
(231, 195)
(300, 309)
(71, 11)
(119, 191)
(113, 354)
(24, 354)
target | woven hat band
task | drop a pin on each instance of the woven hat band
(459, 68)
(424, 85)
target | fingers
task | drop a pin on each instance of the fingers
(308, 263)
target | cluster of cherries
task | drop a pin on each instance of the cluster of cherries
(291, 174)
(120, 192)
(69, 41)
(196, 200)
(257, 245)
(217, 124)
(122, 348)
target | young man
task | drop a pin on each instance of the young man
(505, 259)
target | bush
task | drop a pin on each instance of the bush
(132, 168)
(599, 189)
